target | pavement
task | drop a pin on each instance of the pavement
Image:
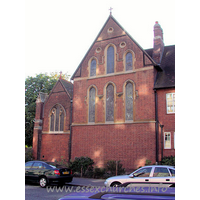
(87, 182)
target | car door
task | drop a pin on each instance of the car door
(172, 171)
(142, 175)
(161, 175)
(27, 170)
(37, 170)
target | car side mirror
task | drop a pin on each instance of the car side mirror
(131, 176)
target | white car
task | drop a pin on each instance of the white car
(149, 174)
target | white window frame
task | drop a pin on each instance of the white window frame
(174, 140)
(165, 140)
(173, 103)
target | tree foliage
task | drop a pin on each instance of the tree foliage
(168, 160)
(34, 85)
(81, 164)
(111, 167)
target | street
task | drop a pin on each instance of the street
(33, 192)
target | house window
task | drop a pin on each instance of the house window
(129, 61)
(92, 96)
(167, 140)
(93, 67)
(110, 59)
(174, 140)
(57, 119)
(129, 101)
(170, 101)
(110, 103)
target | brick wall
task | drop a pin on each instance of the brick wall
(58, 96)
(55, 147)
(143, 82)
(130, 143)
(168, 120)
(37, 129)
(48, 145)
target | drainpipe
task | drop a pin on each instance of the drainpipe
(70, 137)
(156, 125)
(161, 126)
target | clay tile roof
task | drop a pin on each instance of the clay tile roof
(166, 78)
(68, 86)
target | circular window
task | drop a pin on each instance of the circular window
(98, 49)
(110, 30)
(122, 44)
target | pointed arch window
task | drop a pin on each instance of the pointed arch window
(129, 61)
(92, 97)
(110, 103)
(57, 118)
(110, 59)
(129, 101)
(93, 65)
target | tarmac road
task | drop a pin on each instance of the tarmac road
(35, 192)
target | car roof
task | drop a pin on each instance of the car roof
(36, 161)
(159, 166)
(141, 193)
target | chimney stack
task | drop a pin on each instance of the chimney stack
(158, 44)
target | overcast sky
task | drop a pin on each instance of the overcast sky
(59, 33)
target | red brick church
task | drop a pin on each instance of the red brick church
(120, 106)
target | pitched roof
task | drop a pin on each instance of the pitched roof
(68, 87)
(166, 77)
(101, 36)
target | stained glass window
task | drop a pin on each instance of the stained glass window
(129, 61)
(93, 67)
(110, 59)
(129, 101)
(52, 125)
(110, 103)
(61, 120)
(170, 98)
(92, 96)
(57, 119)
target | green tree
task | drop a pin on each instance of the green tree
(34, 85)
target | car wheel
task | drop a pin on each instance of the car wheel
(43, 182)
(115, 184)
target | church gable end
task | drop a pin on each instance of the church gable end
(113, 51)
(58, 87)
(58, 103)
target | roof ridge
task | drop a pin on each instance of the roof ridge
(66, 81)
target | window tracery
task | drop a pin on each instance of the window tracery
(110, 60)
(129, 61)
(110, 103)
(93, 65)
(57, 118)
(92, 97)
(129, 101)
